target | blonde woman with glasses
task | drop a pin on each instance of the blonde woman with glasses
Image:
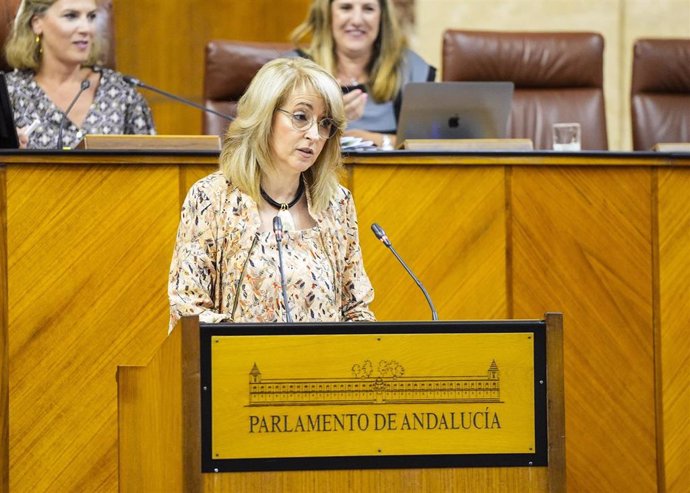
(280, 157)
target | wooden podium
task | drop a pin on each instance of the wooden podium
(166, 413)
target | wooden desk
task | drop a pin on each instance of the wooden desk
(86, 240)
(602, 237)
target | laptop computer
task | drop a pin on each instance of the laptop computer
(455, 110)
(8, 131)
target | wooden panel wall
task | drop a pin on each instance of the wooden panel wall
(162, 43)
(461, 212)
(4, 357)
(674, 320)
(582, 245)
(89, 246)
(602, 238)
(578, 239)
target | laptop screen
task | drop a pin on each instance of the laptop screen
(455, 110)
(8, 131)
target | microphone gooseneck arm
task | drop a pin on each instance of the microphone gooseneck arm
(381, 235)
(136, 82)
(85, 84)
(278, 231)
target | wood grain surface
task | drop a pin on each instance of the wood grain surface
(163, 43)
(148, 411)
(582, 244)
(673, 351)
(601, 237)
(88, 247)
(4, 356)
(156, 443)
(461, 212)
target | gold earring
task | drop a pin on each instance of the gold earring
(39, 47)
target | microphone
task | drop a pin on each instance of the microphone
(278, 231)
(137, 83)
(85, 84)
(381, 235)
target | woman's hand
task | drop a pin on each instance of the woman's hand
(23, 137)
(354, 104)
(24, 132)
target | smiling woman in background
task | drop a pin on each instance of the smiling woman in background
(55, 47)
(361, 44)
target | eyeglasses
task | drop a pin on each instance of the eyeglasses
(303, 121)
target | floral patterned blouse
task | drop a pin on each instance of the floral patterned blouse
(225, 270)
(308, 279)
(117, 108)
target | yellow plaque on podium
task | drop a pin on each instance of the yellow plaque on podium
(376, 397)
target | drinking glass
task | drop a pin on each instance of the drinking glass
(566, 137)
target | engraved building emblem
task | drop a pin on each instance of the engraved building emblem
(388, 385)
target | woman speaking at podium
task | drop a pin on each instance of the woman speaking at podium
(280, 158)
(58, 91)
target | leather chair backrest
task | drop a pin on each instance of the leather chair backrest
(558, 77)
(660, 92)
(107, 21)
(8, 10)
(229, 68)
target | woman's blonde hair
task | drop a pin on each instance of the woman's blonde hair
(385, 66)
(246, 149)
(24, 52)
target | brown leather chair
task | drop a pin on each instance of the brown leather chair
(229, 68)
(660, 92)
(558, 77)
(108, 25)
(8, 10)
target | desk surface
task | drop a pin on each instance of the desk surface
(533, 158)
